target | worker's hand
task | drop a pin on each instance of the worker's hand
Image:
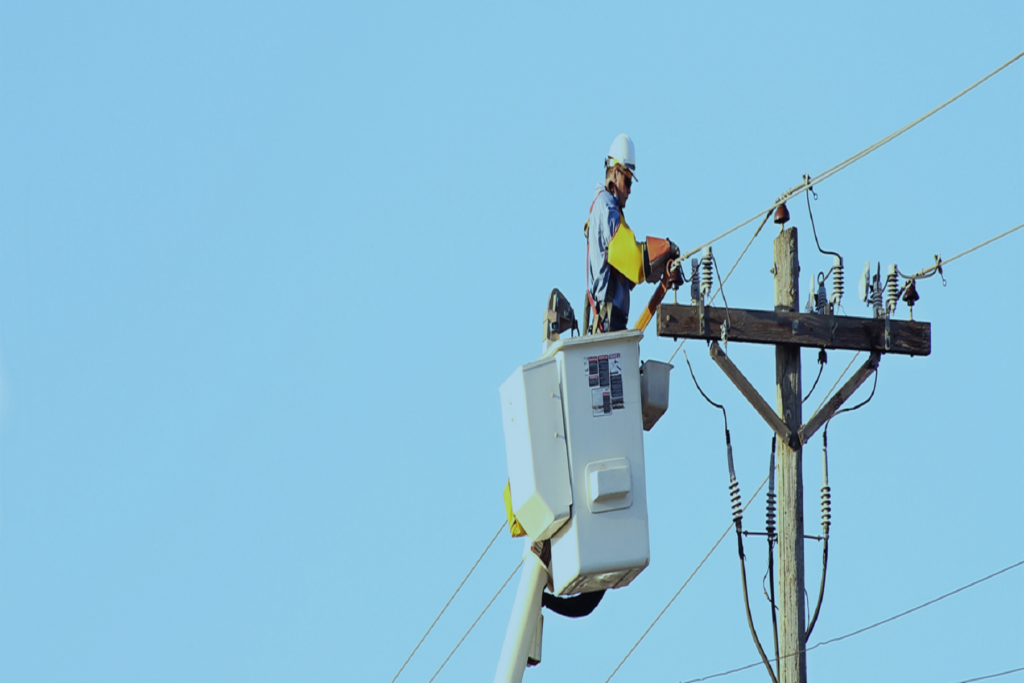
(660, 252)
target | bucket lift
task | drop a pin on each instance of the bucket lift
(573, 423)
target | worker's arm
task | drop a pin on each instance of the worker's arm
(639, 261)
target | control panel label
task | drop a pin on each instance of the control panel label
(604, 376)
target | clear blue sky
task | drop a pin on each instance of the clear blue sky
(263, 269)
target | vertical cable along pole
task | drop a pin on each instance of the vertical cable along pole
(769, 529)
(826, 522)
(737, 520)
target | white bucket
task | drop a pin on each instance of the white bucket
(653, 391)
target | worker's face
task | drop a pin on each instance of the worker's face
(623, 184)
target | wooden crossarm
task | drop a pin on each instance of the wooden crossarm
(906, 337)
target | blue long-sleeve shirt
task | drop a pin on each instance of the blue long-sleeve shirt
(606, 283)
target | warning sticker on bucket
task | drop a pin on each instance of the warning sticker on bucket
(604, 375)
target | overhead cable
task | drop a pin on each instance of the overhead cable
(821, 367)
(737, 521)
(921, 274)
(678, 346)
(438, 617)
(940, 262)
(985, 678)
(717, 405)
(809, 182)
(915, 609)
(875, 625)
(853, 408)
(473, 625)
(769, 529)
(685, 583)
(826, 523)
(807, 193)
(836, 383)
(821, 177)
(722, 280)
(868, 150)
(822, 359)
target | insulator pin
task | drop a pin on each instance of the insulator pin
(694, 282)
(892, 287)
(707, 267)
(837, 281)
(826, 509)
(876, 297)
(821, 298)
(737, 503)
(910, 296)
(781, 214)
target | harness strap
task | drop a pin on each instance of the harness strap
(586, 226)
(590, 298)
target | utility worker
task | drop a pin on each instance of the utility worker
(615, 261)
(615, 264)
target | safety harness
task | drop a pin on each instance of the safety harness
(625, 256)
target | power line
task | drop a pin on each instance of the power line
(939, 262)
(836, 383)
(692, 574)
(438, 617)
(914, 609)
(926, 272)
(821, 177)
(722, 281)
(743, 253)
(473, 625)
(1001, 673)
(921, 274)
(860, 155)
(875, 625)
(809, 182)
(806, 185)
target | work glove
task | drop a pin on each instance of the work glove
(657, 253)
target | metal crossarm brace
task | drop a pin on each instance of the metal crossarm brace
(840, 397)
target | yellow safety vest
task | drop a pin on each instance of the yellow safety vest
(624, 254)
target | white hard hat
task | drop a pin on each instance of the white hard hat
(622, 152)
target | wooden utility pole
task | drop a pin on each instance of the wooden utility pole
(789, 331)
(788, 395)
